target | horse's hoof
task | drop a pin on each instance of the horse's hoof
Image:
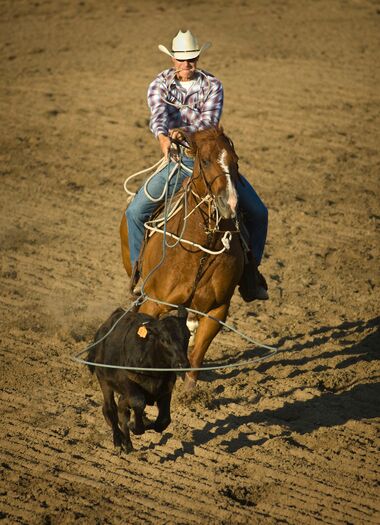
(189, 383)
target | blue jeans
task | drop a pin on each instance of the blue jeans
(255, 217)
(141, 208)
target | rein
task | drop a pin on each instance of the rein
(206, 182)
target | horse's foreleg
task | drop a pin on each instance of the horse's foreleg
(206, 332)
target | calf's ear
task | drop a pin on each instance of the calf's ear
(182, 312)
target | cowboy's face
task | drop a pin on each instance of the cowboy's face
(185, 68)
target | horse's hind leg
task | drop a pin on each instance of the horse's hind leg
(206, 332)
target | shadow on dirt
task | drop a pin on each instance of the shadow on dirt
(303, 417)
(331, 408)
(367, 349)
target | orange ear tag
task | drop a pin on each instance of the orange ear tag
(142, 331)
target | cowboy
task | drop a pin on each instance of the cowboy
(191, 99)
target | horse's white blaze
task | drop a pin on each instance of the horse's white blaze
(231, 191)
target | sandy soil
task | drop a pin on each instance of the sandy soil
(293, 440)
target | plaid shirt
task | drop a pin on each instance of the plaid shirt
(172, 106)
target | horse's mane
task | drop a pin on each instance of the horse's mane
(207, 134)
(199, 138)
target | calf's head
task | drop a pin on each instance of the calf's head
(168, 341)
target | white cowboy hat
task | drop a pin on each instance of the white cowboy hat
(184, 46)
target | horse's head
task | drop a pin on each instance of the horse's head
(216, 164)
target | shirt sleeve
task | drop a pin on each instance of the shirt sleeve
(159, 119)
(210, 111)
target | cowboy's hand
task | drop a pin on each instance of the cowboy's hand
(176, 134)
(165, 144)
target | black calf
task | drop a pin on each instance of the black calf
(139, 340)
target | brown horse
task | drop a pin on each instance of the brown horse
(188, 275)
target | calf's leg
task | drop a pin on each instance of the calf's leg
(110, 412)
(124, 414)
(163, 419)
(137, 403)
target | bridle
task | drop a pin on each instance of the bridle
(208, 183)
(198, 160)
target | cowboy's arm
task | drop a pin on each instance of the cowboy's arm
(159, 114)
(211, 110)
(165, 144)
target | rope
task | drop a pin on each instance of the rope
(159, 165)
(144, 297)
(272, 350)
(174, 170)
(149, 225)
(225, 241)
(179, 105)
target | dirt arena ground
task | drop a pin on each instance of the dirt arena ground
(293, 440)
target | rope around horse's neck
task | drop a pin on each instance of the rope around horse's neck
(226, 239)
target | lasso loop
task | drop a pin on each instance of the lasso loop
(144, 297)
